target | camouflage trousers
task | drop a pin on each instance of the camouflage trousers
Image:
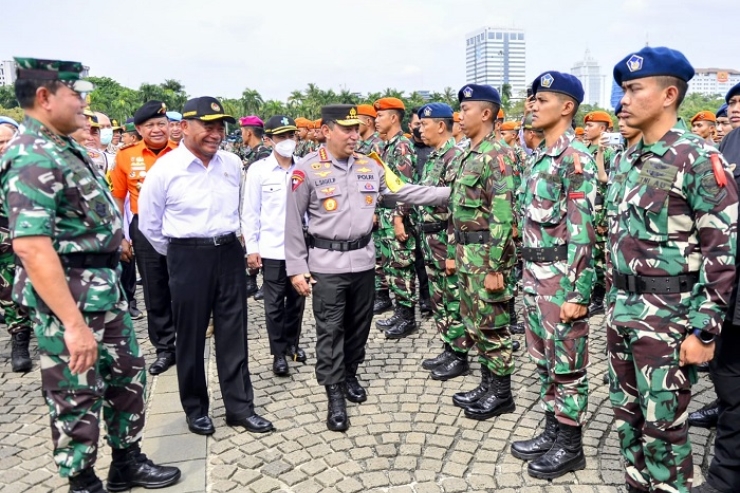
(381, 281)
(445, 297)
(397, 259)
(486, 320)
(560, 352)
(116, 383)
(16, 316)
(650, 395)
(600, 262)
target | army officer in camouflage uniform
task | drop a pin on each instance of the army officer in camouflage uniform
(66, 232)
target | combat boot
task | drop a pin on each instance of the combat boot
(597, 300)
(497, 401)
(86, 482)
(387, 323)
(706, 416)
(20, 359)
(130, 468)
(455, 366)
(251, 286)
(566, 455)
(539, 445)
(382, 302)
(336, 417)
(432, 363)
(405, 326)
(515, 327)
(465, 399)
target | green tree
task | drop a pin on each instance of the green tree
(14, 113)
(7, 97)
(506, 97)
(251, 101)
(694, 103)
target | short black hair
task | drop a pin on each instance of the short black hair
(449, 122)
(401, 114)
(682, 86)
(258, 132)
(25, 90)
(494, 107)
(415, 110)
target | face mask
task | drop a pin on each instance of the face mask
(285, 148)
(106, 136)
(417, 133)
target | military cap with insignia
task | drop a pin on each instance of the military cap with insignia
(367, 110)
(343, 114)
(279, 124)
(598, 116)
(722, 111)
(479, 92)
(173, 116)
(554, 81)
(149, 110)
(653, 62)
(91, 117)
(68, 73)
(706, 116)
(435, 110)
(115, 125)
(734, 91)
(206, 109)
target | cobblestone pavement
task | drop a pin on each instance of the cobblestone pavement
(407, 437)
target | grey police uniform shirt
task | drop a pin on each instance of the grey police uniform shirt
(340, 200)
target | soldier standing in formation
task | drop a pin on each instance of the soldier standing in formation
(305, 126)
(558, 238)
(673, 210)
(66, 231)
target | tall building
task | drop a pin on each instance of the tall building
(589, 73)
(713, 81)
(8, 68)
(497, 56)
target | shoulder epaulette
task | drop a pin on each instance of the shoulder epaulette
(323, 155)
(127, 146)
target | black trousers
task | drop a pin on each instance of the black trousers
(421, 270)
(283, 307)
(343, 309)
(128, 278)
(205, 280)
(724, 471)
(155, 281)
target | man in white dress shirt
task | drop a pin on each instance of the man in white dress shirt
(263, 214)
(189, 211)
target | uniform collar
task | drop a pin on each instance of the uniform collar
(559, 146)
(190, 158)
(62, 142)
(488, 138)
(445, 147)
(666, 142)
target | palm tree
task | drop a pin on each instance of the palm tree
(392, 93)
(272, 108)
(505, 95)
(251, 101)
(449, 96)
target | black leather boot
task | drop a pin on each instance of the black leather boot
(405, 326)
(432, 363)
(515, 327)
(382, 302)
(566, 455)
(252, 287)
(497, 401)
(465, 399)
(539, 445)
(336, 417)
(597, 300)
(354, 391)
(705, 416)
(130, 468)
(456, 365)
(86, 482)
(387, 323)
(425, 307)
(20, 358)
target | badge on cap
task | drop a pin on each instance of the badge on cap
(352, 114)
(428, 111)
(284, 121)
(215, 107)
(163, 109)
(468, 92)
(634, 63)
(547, 80)
(330, 205)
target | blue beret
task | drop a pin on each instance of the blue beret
(8, 120)
(174, 116)
(653, 62)
(618, 109)
(734, 91)
(435, 110)
(554, 81)
(479, 92)
(722, 111)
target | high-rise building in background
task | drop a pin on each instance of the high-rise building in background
(713, 81)
(589, 73)
(497, 56)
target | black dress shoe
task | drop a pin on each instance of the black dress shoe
(260, 294)
(255, 423)
(130, 468)
(296, 354)
(201, 426)
(162, 364)
(280, 366)
(706, 416)
(252, 286)
(515, 345)
(354, 391)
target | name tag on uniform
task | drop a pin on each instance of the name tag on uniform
(656, 174)
(365, 177)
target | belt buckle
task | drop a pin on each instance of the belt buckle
(217, 240)
(632, 284)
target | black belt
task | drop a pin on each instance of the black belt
(433, 227)
(599, 199)
(4, 222)
(339, 245)
(655, 284)
(545, 254)
(86, 260)
(215, 241)
(472, 237)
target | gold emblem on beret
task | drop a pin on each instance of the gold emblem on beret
(163, 109)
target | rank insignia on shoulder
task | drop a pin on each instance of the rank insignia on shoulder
(323, 155)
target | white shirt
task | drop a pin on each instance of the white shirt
(182, 198)
(263, 207)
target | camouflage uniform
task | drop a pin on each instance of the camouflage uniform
(51, 189)
(558, 192)
(482, 202)
(669, 214)
(374, 143)
(600, 219)
(398, 258)
(252, 155)
(16, 317)
(440, 171)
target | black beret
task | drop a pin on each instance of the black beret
(150, 109)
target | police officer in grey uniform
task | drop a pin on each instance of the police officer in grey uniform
(338, 189)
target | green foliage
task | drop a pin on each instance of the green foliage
(7, 97)
(694, 103)
(14, 113)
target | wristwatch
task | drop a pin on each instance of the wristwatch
(703, 336)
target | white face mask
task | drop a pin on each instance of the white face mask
(285, 148)
(106, 136)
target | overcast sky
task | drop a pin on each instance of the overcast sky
(220, 47)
